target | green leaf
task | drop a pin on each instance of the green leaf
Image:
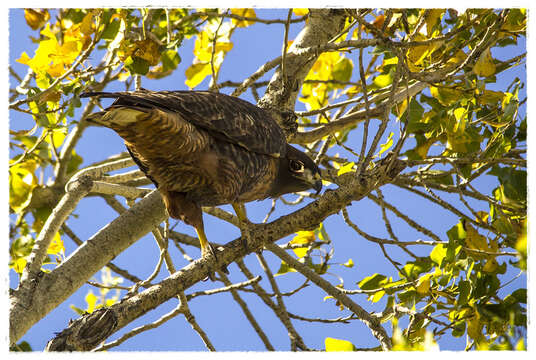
(338, 345)
(464, 288)
(342, 69)
(485, 65)
(440, 177)
(22, 346)
(170, 60)
(518, 296)
(137, 65)
(457, 233)
(77, 310)
(111, 29)
(284, 268)
(413, 269)
(371, 282)
(416, 112)
(459, 329)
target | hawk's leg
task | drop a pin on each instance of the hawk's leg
(243, 223)
(181, 208)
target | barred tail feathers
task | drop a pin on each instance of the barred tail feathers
(113, 117)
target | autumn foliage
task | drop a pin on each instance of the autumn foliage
(432, 77)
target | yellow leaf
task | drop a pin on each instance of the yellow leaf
(482, 217)
(446, 96)
(460, 114)
(110, 302)
(58, 136)
(377, 296)
(349, 263)
(19, 264)
(383, 80)
(457, 59)
(378, 22)
(423, 285)
(22, 181)
(303, 237)
(432, 18)
(56, 70)
(474, 240)
(91, 301)
(52, 58)
(300, 12)
(24, 59)
(328, 66)
(387, 145)
(123, 75)
(474, 327)
(36, 18)
(56, 245)
(402, 106)
(346, 168)
(250, 13)
(148, 50)
(417, 54)
(42, 81)
(338, 345)
(197, 73)
(490, 97)
(87, 26)
(485, 65)
(48, 32)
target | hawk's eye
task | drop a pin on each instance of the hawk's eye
(296, 166)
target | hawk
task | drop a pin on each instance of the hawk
(203, 148)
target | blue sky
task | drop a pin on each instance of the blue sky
(219, 315)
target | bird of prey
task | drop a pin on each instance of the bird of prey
(203, 148)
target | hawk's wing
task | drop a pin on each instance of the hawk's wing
(224, 117)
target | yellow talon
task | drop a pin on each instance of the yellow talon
(243, 222)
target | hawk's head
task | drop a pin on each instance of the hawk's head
(297, 172)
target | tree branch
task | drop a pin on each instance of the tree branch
(152, 211)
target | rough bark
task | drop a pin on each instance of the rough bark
(47, 291)
(282, 91)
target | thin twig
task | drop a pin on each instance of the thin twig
(232, 287)
(377, 330)
(285, 46)
(191, 319)
(295, 338)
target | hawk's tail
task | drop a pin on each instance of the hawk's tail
(115, 115)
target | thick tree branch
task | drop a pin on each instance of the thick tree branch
(151, 209)
(51, 289)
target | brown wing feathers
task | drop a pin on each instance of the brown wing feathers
(224, 117)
